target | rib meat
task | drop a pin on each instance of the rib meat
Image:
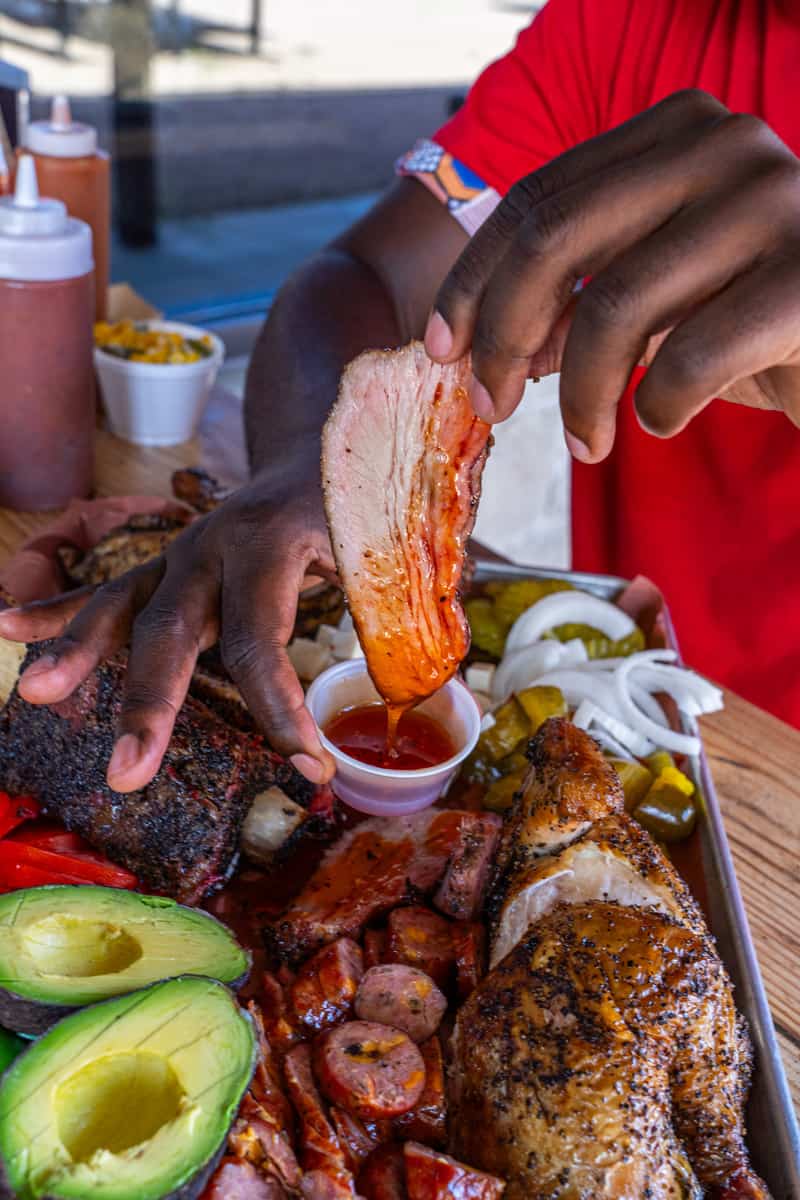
(143, 537)
(374, 867)
(179, 834)
(402, 456)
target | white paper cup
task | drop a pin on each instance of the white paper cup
(377, 790)
(157, 404)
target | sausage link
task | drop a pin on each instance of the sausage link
(369, 1069)
(422, 939)
(402, 996)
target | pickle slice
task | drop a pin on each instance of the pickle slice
(596, 643)
(668, 810)
(511, 600)
(500, 795)
(540, 703)
(669, 815)
(487, 633)
(636, 781)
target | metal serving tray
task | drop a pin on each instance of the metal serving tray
(772, 1131)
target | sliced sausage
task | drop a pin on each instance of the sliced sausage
(321, 1185)
(266, 1147)
(236, 1179)
(431, 1175)
(319, 1145)
(461, 892)
(325, 986)
(369, 1069)
(266, 1087)
(402, 996)
(374, 947)
(421, 938)
(427, 1121)
(383, 1176)
(356, 1140)
(279, 1023)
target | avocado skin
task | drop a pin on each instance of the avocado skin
(24, 1015)
(195, 1186)
(30, 1016)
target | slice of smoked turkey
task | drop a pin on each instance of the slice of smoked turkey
(402, 456)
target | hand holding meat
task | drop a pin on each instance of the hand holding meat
(233, 575)
(687, 219)
(402, 458)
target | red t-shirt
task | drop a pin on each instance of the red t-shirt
(712, 515)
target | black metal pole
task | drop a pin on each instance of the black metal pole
(133, 123)
(256, 17)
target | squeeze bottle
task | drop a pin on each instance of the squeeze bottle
(70, 168)
(47, 406)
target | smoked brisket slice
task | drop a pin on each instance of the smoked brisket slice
(180, 834)
(402, 457)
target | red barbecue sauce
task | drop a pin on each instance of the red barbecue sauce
(362, 732)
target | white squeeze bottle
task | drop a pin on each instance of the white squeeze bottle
(46, 375)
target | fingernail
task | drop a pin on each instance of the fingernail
(438, 336)
(482, 402)
(577, 448)
(127, 753)
(308, 766)
(42, 665)
(8, 612)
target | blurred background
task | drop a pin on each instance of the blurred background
(245, 135)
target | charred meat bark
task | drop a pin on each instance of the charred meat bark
(198, 489)
(180, 834)
(143, 537)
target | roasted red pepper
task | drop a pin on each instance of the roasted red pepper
(23, 865)
(52, 837)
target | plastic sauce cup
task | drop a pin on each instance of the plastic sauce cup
(157, 404)
(378, 790)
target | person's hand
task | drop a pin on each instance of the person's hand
(233, 575)
(687, 220)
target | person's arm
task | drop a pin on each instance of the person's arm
(235, 574)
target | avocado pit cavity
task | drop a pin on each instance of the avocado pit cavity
(116, 1102)
(74, 946)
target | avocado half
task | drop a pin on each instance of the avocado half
(62, 947)
(131, 1099)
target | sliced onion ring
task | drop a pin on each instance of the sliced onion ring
(670, 739)
(568, 608)
(588, 716)
(523, 667)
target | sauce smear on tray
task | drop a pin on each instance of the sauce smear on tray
(362, 732)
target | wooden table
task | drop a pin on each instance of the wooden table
(754, 758)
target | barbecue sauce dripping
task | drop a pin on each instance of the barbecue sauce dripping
(394, 715)
(363, 733)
